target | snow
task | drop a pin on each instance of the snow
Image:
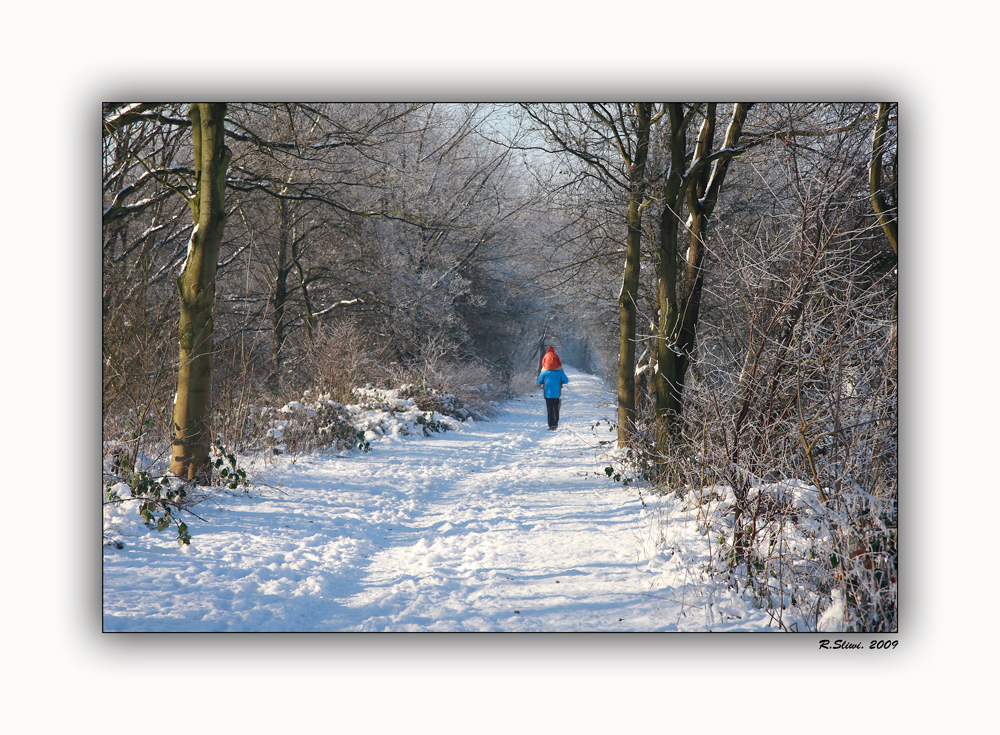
(506, 683)
(190, 249)
(490, 526)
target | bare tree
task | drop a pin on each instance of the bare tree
(695, 179)
(795, 408)
(196, 288)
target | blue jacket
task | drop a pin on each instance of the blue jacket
(553, 380)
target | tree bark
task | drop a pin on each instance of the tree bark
(668, 397)
(196, 289)
(680, 316)
(885, 218)
(630, 280)
(280, 293)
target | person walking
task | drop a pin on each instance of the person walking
(552, 377)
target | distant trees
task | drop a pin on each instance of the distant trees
(611, 141)
(399, 221)
(683, 174)
(302, 190)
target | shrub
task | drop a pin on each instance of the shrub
(159, 501)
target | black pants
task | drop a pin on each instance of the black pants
(552, 407)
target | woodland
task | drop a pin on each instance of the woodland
(728, 269)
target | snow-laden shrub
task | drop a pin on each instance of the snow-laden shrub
(301, 426)
(458, 389)
(814, 560)
(153, 501)
(318, 422)
(136, 502)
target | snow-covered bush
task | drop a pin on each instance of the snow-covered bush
(816, 557)
(150, 498)
(156, 501)
(318, 422)
(301, 426)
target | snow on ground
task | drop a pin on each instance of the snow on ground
(496, 526)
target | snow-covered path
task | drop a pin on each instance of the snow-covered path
(502, 526)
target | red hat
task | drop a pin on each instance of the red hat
(551, 360)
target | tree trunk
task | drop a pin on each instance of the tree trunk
(680, 318)
(668, 397)
(196, 289)
(885, 217)
(630, 280)
(701, 204)
(280, 294)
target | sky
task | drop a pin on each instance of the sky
(64, 62)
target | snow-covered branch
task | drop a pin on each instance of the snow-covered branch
(346, 302)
